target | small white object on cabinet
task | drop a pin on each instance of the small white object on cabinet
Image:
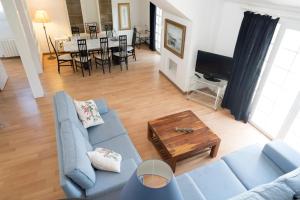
(3, 76)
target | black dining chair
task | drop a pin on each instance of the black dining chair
(93, 32)
(131, 48)
(84, 60)
(103, 57)
(75, 31)
(62, 60)
(122, 54)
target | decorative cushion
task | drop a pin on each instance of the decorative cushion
(76, 164)
(105, 159)
(88, 113)
(292, 180)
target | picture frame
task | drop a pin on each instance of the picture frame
(124, 16)
(174, 39)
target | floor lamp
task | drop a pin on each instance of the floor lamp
(41, 16)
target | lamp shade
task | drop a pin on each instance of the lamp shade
(135, 189)
(41, 16)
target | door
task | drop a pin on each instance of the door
(275, 108)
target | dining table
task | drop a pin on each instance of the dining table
(92, 44)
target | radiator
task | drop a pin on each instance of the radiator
(8, 48)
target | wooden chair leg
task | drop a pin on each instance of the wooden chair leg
(134, 55)
(109, 65)
(82, 68)
(120, 60)
(72, 64)
(126, 61)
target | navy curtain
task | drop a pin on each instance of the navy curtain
(252, 45)
(152, 26)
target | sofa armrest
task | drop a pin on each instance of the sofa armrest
(102, 106)
(286, 158)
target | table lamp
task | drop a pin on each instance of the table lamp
(41, 16)
(138, 189)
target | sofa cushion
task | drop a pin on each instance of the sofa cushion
(66, 110)
(107, 182)
(111, 128)
(252, 167)
(188, 188)
(216, 181)
(273, 190)
(284, 156)
(76, 164)
(123, 145)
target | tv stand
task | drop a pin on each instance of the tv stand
(211, 78)
(205, 91)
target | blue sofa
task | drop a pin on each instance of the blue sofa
(78, 178)
(252, 173)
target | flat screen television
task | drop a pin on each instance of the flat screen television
(213, 66)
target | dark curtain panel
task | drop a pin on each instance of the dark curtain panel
(252, 45)
(152, 26)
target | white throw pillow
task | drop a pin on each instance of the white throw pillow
(88, 113)
(105, 159)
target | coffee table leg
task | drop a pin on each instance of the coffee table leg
(150, 134)
(172, 163)
(214, 150)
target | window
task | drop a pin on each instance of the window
(275, 102)
(158, 28)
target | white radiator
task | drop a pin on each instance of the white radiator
(8, 48)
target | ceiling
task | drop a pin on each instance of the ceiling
(285, 3)
(293, 3)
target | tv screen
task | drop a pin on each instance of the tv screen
(214, 65)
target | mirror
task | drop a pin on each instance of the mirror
(124, 16)
(85, 13)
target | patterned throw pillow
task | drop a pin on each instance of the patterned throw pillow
(88, 113)
(105, 159)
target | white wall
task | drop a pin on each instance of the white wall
(183, 68)
(142, 12)
(90, 11)
(59, 25)
(3, 76)
(5, 31)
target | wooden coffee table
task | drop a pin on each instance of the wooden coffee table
(175, 146)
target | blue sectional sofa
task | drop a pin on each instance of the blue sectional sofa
(252, 173)
(245, 174)
(78, 179)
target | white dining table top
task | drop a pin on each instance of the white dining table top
(71, 46)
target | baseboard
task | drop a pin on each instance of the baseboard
(178, 88)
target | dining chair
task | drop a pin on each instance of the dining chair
(131, 48)
(84, 60)
(103, 57)
(75, 31)
(62, 60)
(122, 54)
(93, 32)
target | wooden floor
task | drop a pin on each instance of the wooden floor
(28, 160)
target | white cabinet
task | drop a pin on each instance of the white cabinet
(3, 76)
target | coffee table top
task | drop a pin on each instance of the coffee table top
(178, 143)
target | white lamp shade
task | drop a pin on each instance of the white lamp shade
(41, 16)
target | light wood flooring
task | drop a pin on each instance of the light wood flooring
(28, 160)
